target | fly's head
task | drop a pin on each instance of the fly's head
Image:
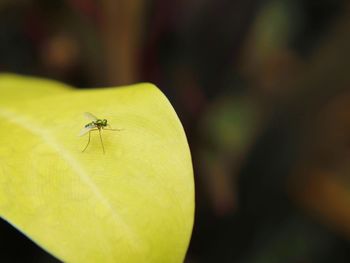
(104, 122)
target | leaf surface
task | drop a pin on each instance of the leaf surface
(135, 203)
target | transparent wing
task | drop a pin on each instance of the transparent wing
(90, 116)
(85, 130)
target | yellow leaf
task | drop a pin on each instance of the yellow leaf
(135, 203)
(14, 87)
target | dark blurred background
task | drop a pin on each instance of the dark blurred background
(261, 87)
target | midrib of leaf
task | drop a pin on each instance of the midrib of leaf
(36, 129)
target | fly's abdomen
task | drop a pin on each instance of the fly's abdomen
(90, 125)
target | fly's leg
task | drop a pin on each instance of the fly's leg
(103, 148)
(88, 140)
(112, 129)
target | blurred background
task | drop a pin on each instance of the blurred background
(262, 88)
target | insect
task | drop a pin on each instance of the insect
(96, 124)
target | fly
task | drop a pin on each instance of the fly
(96, 124)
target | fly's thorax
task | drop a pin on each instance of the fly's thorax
(101, 123)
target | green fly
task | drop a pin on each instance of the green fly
(96, 124)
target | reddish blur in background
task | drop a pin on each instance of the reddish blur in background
(261, 87)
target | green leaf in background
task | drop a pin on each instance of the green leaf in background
(135, 203)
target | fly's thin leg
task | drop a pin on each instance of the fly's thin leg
(112, 129)
(103, 148)
(87, 143)
(88, 140)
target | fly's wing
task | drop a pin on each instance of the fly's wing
(90, 116)
(85, 130)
